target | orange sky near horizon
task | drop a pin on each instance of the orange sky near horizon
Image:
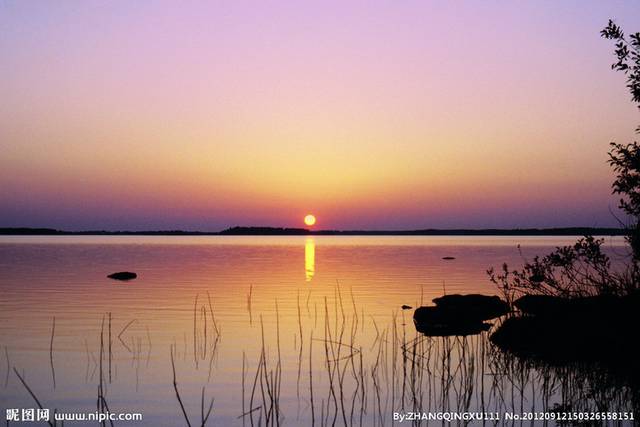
(381, 115)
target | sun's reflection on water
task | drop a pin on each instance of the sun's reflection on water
(309, 258)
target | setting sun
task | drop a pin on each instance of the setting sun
(309, 220)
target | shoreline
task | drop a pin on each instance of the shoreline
(274, 231)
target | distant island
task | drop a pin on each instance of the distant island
(277, 231)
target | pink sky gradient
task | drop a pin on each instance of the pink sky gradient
(378, 115)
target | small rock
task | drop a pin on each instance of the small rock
(123, 275)
(448, 258)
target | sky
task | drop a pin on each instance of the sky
(188, 115)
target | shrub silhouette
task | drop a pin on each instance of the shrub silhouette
(582, 269)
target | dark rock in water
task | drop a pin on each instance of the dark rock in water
(472, 306)
(559, 307)
(406, 307)
(459, 314)
(562, 342)
(557, 330)
(539, 304)
(448, 258)
(123, 275)
(444, 330)
(438, 316)
(534, 338)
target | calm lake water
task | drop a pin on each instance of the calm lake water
(285, 330)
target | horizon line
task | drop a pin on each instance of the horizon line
(293, 231)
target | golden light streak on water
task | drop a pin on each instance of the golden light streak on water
(309, 258)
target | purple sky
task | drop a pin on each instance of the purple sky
(380, 115)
